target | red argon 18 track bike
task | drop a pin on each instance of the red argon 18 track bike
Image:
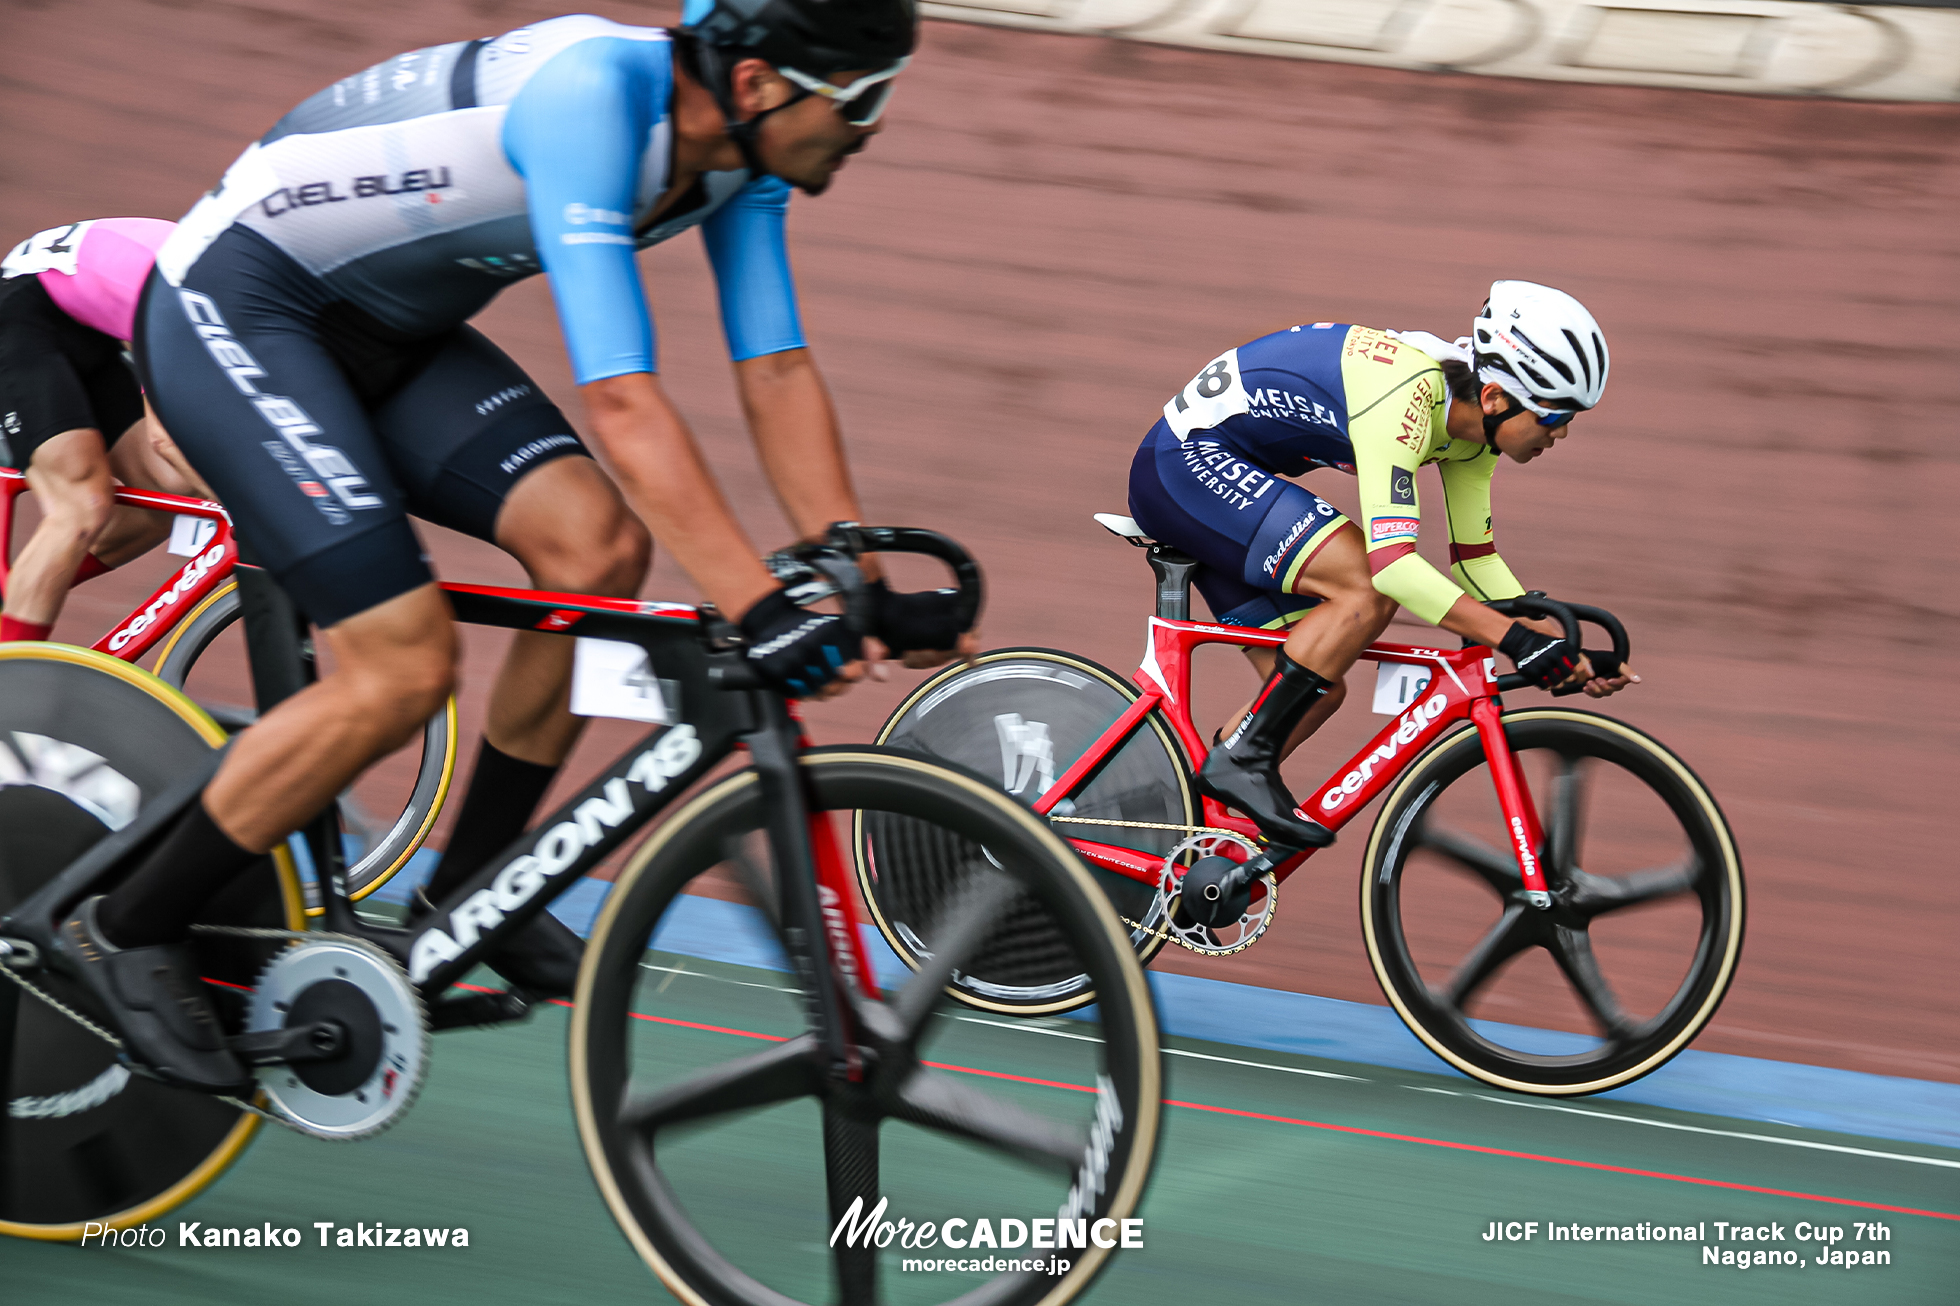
(1551, 900)
(188, 612)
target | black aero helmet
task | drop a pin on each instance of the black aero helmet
(804, 40)
(818, 37)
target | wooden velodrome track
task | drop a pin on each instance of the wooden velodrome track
(1054, 232)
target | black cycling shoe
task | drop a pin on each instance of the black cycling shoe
(1254, 787)
(157, 1003)
(1242, 771)
(542, 958)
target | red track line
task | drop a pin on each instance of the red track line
(713, 1029)
(1560, 1160)
(1019, 1079)
(1365, 1133)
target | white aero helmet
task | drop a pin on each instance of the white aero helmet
(1541, 345)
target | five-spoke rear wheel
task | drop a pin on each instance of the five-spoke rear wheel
(1637, 948)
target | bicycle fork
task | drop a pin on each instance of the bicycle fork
(1521, 825)
(827, 951)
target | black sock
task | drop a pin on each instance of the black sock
(504, 791)
(1289, 693)
(158, 902)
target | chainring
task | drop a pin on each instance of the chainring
(1207, 940)
(372, 1085)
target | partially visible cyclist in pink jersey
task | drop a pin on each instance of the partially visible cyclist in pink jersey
(68, 397)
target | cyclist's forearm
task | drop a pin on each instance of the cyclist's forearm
(797, 437)
(668, 484)
(1473, 621)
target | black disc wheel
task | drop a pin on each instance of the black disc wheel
(85, 741)
(745, 1169)
(386, 833)
(1637, 948)
(1025, 715)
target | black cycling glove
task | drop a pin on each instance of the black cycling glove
(1544, 660)
(800, 650)
(929, 620)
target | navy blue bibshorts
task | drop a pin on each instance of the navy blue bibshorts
(1252, 531)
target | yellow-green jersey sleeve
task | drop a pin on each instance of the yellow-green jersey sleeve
(1396, 404)
(1473, 552)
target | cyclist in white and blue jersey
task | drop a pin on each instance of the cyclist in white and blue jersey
(306, 335)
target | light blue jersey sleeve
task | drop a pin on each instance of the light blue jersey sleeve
(576, 134)
(751, 261)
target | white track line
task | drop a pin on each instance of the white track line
(1170, 1052)
(1422, 1088)
(1724, 1133)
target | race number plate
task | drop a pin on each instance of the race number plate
(614, 679)
(1398, 684)
(189, 535)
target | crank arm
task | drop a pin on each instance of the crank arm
(496, 1008)
(320, 1040)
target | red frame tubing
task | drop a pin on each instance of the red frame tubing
(137, 633)
(837, 898)
(12, 484)
(1463, 686)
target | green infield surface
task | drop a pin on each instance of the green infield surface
(1280, 1179)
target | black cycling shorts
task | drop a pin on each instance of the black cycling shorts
(322, 431)
(57, 375)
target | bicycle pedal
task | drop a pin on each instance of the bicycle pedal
(475, 1009)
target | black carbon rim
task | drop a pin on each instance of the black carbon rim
(1443, 992)
(847, 1133)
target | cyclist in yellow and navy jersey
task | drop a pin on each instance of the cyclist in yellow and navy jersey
(1379, 405)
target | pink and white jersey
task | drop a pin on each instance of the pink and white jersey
(93, 271)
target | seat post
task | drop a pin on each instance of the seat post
(1173, 570)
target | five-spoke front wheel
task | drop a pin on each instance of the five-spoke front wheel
(1637, 948)
(747, 1168)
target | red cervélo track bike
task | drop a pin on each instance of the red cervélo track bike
(196, 604)
(1551, 899)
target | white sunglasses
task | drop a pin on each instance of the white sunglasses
(860, 103)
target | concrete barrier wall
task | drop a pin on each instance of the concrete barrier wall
(1773, 47)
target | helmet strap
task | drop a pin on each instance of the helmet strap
(705, 65)
(1494, 420)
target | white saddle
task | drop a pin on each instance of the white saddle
(1125, 527)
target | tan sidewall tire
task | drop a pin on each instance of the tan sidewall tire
(233, 1145)
(1129, 1189)
(1731, 946)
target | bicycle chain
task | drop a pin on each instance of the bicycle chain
(236, 931)
(1146, 825)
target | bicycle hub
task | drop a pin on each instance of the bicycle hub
(1216, 891)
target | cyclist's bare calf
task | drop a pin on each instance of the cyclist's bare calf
(73, 479)
(69, 475)
(393, 667)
